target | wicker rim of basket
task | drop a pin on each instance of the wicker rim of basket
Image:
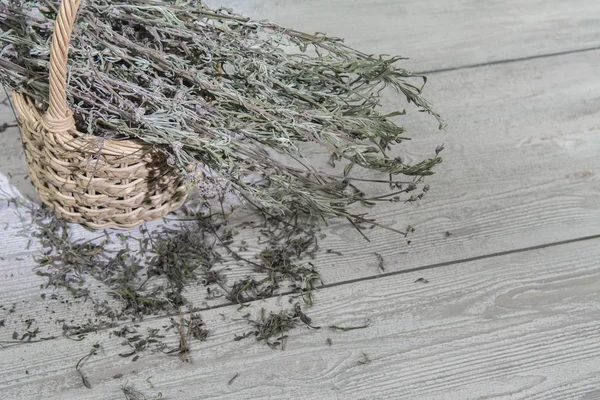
(58, 125)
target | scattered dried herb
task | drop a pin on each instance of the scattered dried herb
(380, 262)
(233, 378)
(132, 394)
(78, 332)
(364, 360)
(273, 328)
(192, 327)
(138, 343)
(349, 328)
(82, 361)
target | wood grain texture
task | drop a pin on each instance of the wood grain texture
(521, 170)
(519, 326)
(440, 34)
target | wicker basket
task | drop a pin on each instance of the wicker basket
(102, 183)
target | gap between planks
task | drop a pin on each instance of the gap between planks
(508, 61)
(439, 35)
(455, 262)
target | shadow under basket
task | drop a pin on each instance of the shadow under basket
(101, 183)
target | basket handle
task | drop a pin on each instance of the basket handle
(58, 110)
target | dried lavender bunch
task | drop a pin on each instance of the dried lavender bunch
(232, 98)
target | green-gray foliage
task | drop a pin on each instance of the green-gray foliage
(228, 97)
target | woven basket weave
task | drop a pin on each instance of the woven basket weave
(101, 183)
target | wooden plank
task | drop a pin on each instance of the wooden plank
(440, 35)
(521, 171)
(523, 325)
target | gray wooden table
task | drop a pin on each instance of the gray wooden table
(508, 238)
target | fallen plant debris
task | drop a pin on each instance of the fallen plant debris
(147, 274)
(364, 359)
(30, 334)
(137, 342)
(380, 262)
(132, 394)
(82, 361)
(193, 327)
(17, 341)
(349, 328)
(272, 328)
(233, 378)
(78, 332)
(5, 126)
